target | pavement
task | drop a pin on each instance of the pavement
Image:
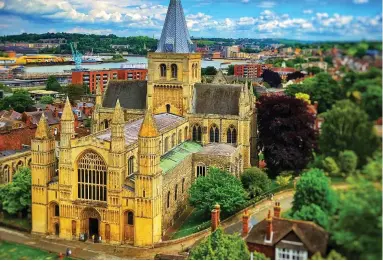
(88, 250)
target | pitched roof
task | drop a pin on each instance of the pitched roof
(218, 149)
(312, 236)
(132, 94)
(36, 115)
(216, 99)
(220, 78)
(175, 36)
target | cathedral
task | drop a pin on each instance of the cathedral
(128, 181)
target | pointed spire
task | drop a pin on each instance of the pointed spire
(149, 126)
(118, 115)
(175, 36)
(42, 131)
(98, 94)
(67, 112)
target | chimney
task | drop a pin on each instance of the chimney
(214, 220)
(269, 228)
(218, 208)
(277, 209)
(245, 223)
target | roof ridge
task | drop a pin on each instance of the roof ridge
(302, 222)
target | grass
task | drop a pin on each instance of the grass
(337, 180)
(24, 223)
(14, 251)
(194, 223)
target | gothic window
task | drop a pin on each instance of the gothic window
(5, 177)
(173, 140)
(168, 200)
(186, 133)
(201, 170)
(176, 192)
(214, 133)
(168, 108)
(166, 144)
(174, 71)
(197, 133)
(92, 177)
(231, 135)
(130, 218)
(19, 165)
(179, 136)
(193, 66)
(163, 70)
(131, 165)
(57, 210)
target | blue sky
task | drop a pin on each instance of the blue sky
(289, 19)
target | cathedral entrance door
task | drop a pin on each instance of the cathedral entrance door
(57, 229)
(93, 227)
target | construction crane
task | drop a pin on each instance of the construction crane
(77, 56)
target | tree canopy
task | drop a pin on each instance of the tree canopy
(210, 70)
(220, 187)
(347, 127)
(272, 78)
(53, 84)
(313, 213)
(75, 91)
(46, 99)
(221, 246)
(19, 101)
(255, 181)
(16, 196)
(286, 134)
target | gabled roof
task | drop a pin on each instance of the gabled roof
(36, 115)
(132, 94)
(219, 78)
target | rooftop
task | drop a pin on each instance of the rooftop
(218, 149)
(6, 153)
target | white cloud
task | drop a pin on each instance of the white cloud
(80, 30)
(266, 4)
(360, 1)
(2, 4)
(308, 11)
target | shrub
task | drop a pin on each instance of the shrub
(255, 181)
(283, 180)
(331, 167)
(348, 161)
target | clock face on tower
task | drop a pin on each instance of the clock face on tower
(168, 48)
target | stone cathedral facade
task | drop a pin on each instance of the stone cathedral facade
(128, 181)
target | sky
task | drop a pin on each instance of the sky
(314, 20)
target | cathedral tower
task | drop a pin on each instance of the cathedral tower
(174, 68)
(96, 113)
(43, 170)
(148, 185)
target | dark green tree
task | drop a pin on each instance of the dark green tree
(19, 101)
(314, 70)
(217, 187)
(74, 91)
(255, 181)
(313, 213)
(221, 246)
(314, 188)
(53, 84)
(348, 161)
(373, 169)
(358, 226)
(5, 88)
(16, 196)
(210, 70)
(230, 70)
(347, 127)
(46, 99)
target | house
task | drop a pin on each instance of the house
(285, 239)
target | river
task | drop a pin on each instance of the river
(131, 60)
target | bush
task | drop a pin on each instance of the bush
(348, 161)
(283, 180)
(313, 213)
(331, 167)
(255, 181)
(46, 100)
(373, 169)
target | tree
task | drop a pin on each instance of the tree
(303, 96)
(230, 70)
(314, 70)
(295, 75)
(286, 134)
(283, 180)
(372, 102)
(373, 169)
(74, 91)
(313, 213)
(333, 255)
(330, 166)
(217, 187)
(5, 88)
(16, 196)
(53, 84)
(221, 246)
(46, 99)
(348, 161)
(19, 101)
(272, 78)
(358, 226)
(255, 181)
(347, 127)
(314, 188)
(210, 70)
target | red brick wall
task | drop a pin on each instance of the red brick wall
(268, 251)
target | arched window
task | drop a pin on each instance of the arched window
(92, 177)
(131, 165)
(193, 66)
(168, 200)
(19, 165)
(173, 140)
(186, 132)
(196, 70)
(163, 70)
(174, 71)
(57, 210)
(4, 179)
(179, 136)
(166, 144)
(106, 124)
(183, 185)
(175, 192)
(197, 133)
(130, 218)
(168, 108)
(231, 135)
(201, 170)
(143, 193)
(214, 133)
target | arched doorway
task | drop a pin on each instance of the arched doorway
(90, 222)
(129, 226)
(167, 108)
(57, 229)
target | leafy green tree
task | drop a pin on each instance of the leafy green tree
(74, 91)
(314, 188)
(358, 226)
(347, 127)
(372, 101)
(5, 88)
(16, 196)
(210, 70)
(19, 101)
(46, 99)
(221, 246)
(255, 181)
(313, 213)
(230, 70)
(314, 70)
(217, 187)
(348, 161)
(333, 255)
(282, 180)
(53, 84)
(331, 167)
(373, 169)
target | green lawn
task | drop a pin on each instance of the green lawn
(15, 221)
(193, 224)
(15, 251)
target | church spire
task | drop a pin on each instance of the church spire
(118, 115)
(67, 112)
(42, 131)
(149, 126)
(175, 36)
